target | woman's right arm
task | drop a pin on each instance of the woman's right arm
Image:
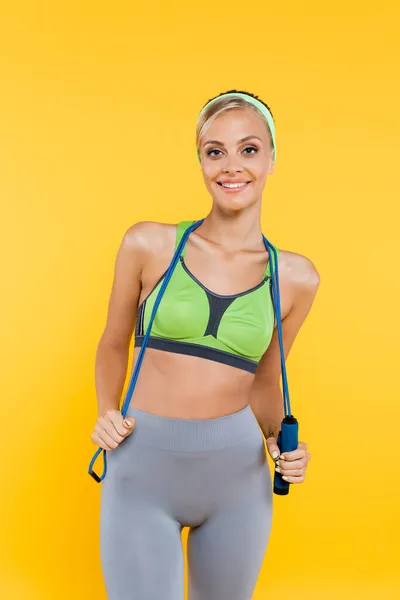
(113, 349)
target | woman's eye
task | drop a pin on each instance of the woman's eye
(251, 148)
(210, 152)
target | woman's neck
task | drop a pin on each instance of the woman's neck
(238, 231)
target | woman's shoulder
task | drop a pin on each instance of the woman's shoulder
(150, 235)
(297, 268)
(298, 280)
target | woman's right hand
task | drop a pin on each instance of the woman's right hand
(111, 429)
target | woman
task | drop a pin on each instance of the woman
(209, 382)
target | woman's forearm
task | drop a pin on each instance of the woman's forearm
(267, 405)
(110, 373)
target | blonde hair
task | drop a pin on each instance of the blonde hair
(221, 106)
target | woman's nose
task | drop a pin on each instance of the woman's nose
(232, 164)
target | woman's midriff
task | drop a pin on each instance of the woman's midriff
(188, 387)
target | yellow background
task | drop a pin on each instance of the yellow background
(98, 106)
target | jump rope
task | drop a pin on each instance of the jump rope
(288, 436)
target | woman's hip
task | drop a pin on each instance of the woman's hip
(187, 453)
(238, 429)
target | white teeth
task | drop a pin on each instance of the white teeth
(233, 185)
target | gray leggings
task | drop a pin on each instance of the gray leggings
(210, 475)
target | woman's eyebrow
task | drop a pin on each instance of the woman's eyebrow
(249, 137)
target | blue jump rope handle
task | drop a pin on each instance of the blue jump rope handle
(288, 436)
(288, 440)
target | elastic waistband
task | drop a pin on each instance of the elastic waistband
(196, 435)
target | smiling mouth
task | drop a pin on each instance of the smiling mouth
(234, 186)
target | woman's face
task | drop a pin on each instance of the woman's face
(227, 158)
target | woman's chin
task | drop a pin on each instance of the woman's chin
(235, 202)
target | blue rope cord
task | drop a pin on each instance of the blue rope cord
(168, 275)
(277, 306)
(135, 374)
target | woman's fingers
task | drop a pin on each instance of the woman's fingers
(290, 474)
(293, 465)
(107, 426)
(272, 447)
(111, 429)
(123, 426)
(291, 479)
(102, 439)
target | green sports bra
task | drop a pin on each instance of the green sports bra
(191, 319)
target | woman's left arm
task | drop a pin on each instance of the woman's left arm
(299, 276)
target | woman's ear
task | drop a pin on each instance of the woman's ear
(271, 166)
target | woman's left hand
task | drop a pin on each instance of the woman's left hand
(291, 465)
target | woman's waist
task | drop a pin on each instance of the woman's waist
(235, 430)
(190, 387)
